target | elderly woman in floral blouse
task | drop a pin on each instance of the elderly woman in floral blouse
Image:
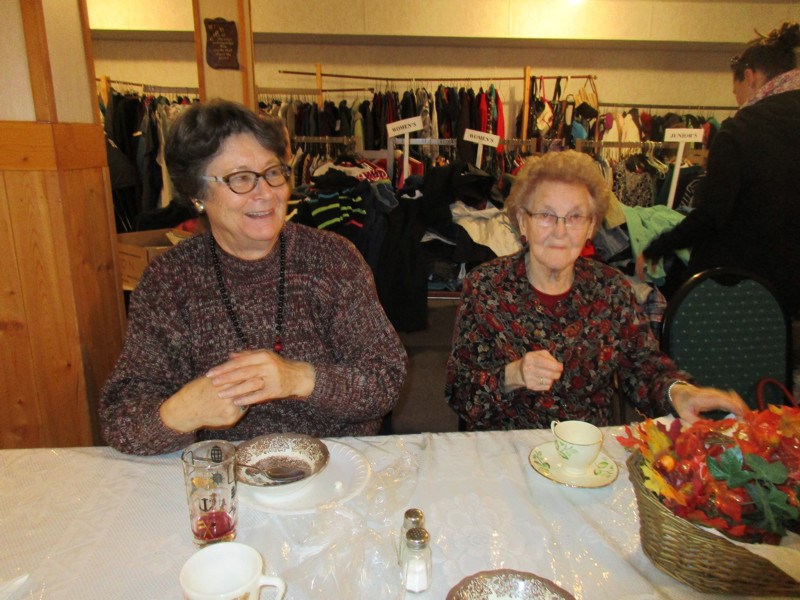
(546, 334)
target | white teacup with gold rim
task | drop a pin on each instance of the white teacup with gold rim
(227, 571)
(578, 443)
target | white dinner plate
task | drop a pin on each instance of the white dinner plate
(344, 478)
(546, 461)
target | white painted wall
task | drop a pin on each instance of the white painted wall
(730, 21)
(14, 75)
(643, 52)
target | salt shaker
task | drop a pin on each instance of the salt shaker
(413, 517)
(416, 562)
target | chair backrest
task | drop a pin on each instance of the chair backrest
(726, 327)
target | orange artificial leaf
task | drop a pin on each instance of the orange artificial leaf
(790, 422)
(655, 482)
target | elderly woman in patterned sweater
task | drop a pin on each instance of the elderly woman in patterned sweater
(544, 334)
(257, 325)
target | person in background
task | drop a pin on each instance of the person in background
(257, 325)
(747, 211)
(546, 334)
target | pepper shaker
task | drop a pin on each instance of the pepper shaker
(416, 564)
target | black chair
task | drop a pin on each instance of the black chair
(726, 327)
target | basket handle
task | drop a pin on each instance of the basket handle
(760, 392)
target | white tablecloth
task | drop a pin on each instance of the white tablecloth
(93, 523)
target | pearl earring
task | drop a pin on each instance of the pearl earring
(199, 206)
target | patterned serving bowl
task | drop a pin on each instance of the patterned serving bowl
(264, 461)
(506, 584)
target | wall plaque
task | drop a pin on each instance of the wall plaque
(222, 45)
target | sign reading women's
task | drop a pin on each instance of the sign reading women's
(222, 44)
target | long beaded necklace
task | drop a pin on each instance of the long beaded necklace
(277, 346)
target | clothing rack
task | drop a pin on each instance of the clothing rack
(581, 144)
(518, 143)
(165, 89)
(348, 141)
(308, 91)
(697, 155)
(398, 79)
(526, 97)
(325, 139)
(319, 75)
(391, 143)
(666, 106)
(694, 155)
(106, 84)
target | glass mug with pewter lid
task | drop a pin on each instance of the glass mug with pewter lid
(577, 443)
(209, 475)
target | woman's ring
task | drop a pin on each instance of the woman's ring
(541, 380)
(244, 408)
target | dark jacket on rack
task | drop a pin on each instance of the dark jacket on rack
(747, 211)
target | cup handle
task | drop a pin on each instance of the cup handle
(276, 582)
(553, 424)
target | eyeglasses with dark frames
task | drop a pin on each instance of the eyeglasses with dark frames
(242, 182)
(548, 220)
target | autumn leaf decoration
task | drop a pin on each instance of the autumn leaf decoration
(741, 477)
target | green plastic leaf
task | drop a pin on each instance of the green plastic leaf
(729, 467)
(774, 510)
(775, 472)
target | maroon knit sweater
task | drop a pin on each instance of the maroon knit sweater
(178, 329)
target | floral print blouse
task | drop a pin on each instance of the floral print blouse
(597, 331)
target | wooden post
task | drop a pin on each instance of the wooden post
(320, 100)
(526, 102)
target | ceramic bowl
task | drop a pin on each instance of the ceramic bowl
(506, 584)
(280, 451)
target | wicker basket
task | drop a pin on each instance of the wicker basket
(707, 562)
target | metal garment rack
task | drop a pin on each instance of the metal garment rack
(392, 143)
(348, 141)
(399, 79)
(642, 105)
(292, 91)
(695, 155)
(106, 84)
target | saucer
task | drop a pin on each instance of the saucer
(546, 461)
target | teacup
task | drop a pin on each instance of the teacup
(226, 571)
(578, 443)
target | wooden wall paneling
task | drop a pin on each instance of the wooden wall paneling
(60, 387)
(96, 287)
(18, 409)
(26, 146)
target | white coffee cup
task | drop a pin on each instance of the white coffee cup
(226, 571)
(578, 443)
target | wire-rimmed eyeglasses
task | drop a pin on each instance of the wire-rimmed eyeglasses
(548, 220)
(242, 182)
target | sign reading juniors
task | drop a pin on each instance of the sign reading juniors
(683, 135)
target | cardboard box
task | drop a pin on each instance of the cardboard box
(135, 250)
